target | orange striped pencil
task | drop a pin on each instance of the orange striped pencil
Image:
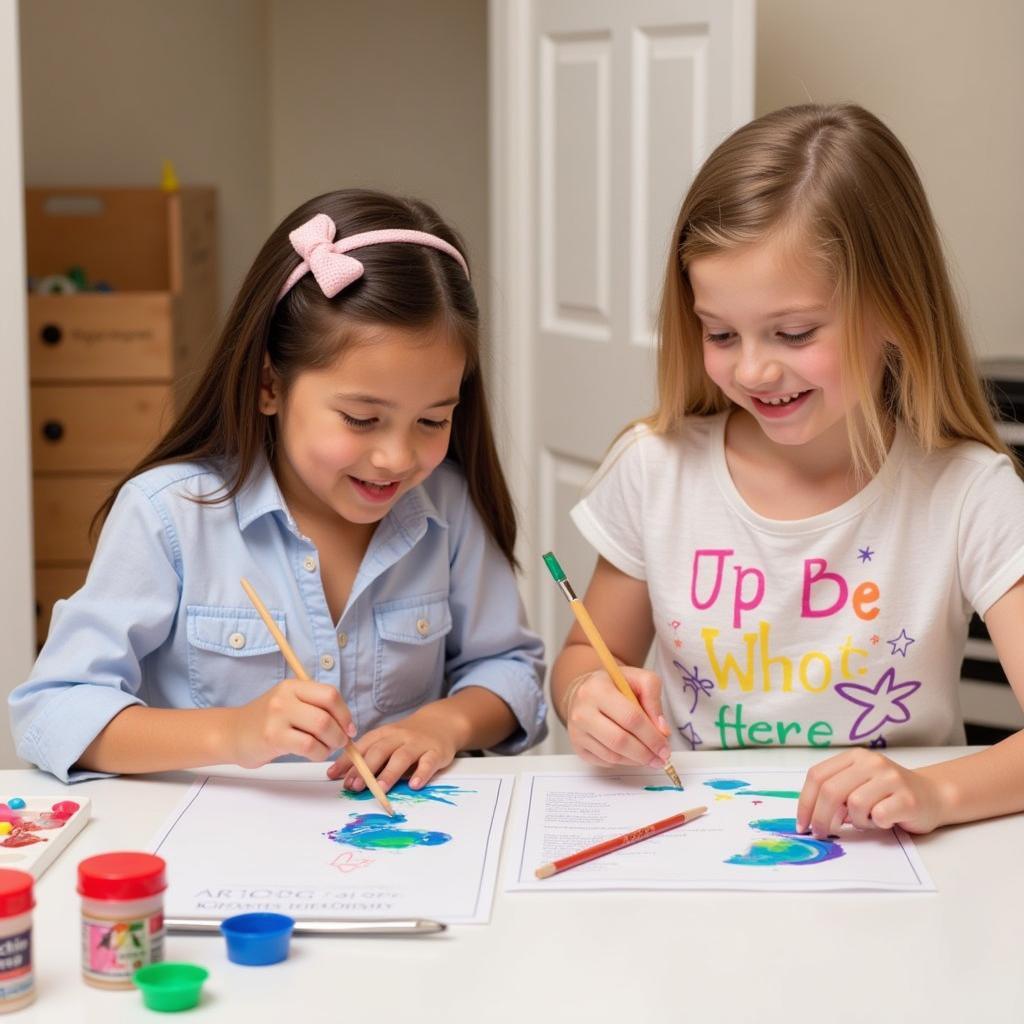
(611, 845)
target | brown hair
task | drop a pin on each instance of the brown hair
(839, 178)
(403, 285)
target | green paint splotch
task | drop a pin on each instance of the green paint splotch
(790, 794)
(380, 832)
(402, 792)
(741, 788)
(661, 789)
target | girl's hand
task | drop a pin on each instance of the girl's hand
(607, 728)
(304, 718)
(424, 742)
(868, 790)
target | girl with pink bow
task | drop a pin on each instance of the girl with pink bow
(337, 452)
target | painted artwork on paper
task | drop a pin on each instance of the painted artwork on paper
(381, 832)
(747, 839)
(402, 792)
(339, 855)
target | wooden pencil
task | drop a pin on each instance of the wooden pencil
(300, 673)
(611, 845)
(611, 666)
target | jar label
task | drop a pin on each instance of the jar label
(115, 950)
(16, 965)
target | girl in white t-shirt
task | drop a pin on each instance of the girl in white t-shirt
(806, 522)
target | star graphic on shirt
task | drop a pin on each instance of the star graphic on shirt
(882, 702)
(865, 554)
(875, 638)
(675, 623)
(678, 643)
(901, 643)
(690, 735)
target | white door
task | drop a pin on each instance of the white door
(601, 113)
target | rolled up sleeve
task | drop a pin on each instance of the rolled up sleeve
(89, 669)
(490, 644)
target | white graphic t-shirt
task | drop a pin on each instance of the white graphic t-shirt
(844, 628)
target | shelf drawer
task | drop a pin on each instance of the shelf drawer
(101, 337)
(51, 585)
(62, 509)
(96, 429)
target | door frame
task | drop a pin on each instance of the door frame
(17, 587)
(512, 95)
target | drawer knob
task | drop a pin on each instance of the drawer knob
(51, 334)
(53, 430)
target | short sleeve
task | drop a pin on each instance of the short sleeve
(611, 511)
(990, 545)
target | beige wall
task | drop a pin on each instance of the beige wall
(388, 94)
(271, 101)
(948, 78)
(16, 612)
(113, 87)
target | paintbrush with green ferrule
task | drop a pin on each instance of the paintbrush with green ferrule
(611, 666)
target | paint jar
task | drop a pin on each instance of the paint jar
(122, 916)
(17, 982)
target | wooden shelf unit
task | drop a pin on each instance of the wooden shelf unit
(108, 369)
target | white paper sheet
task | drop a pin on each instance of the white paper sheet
(743, 842)
(305, 849)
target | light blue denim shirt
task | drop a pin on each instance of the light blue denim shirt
(163, 621)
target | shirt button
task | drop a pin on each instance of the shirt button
(309, 563)
(237, 640)
(422, 626)
(342, 640)
(326, 661)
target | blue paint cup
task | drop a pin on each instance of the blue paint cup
(257, 939)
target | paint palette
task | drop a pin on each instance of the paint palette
(38, 835)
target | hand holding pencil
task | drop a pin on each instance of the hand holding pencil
(307, 692)
(615, 673)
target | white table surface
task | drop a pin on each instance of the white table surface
(953, 955)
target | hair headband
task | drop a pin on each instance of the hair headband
(327, 259)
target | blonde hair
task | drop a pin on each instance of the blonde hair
(840, 178)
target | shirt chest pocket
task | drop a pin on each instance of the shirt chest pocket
(232, 658)
(410, 653)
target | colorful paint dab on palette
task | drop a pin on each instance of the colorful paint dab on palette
(402, 792)
(661, 789)
(35, 830)
(22, 825)
(785, 846)
(380, 832)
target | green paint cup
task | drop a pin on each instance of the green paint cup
(170, 987)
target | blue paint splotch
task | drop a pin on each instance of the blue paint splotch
(726, 784)
(785, 846)
(379, 832)
(402, 792)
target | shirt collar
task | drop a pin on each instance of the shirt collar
(260, 495)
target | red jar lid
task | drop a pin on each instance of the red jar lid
(122, 876)
(15, 892)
